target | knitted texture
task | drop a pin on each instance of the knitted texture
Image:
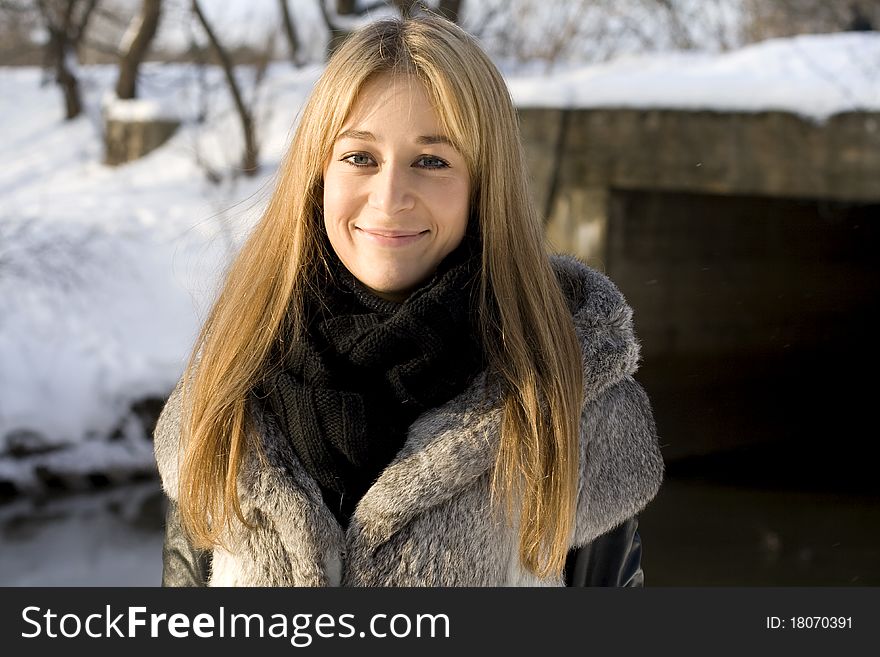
(346, 393)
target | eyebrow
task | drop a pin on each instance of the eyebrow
(424, 140)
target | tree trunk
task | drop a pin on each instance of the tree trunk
(65, 34)
(126, 85)
(70, 87)
(287, 23)
(249, 160)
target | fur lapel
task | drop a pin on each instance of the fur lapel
(448, 454)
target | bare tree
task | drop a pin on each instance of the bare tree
(289, 32)
(18, 21)
(142, 31)
(676, 23)
(246, 118)
(66, 23)
(783, 18)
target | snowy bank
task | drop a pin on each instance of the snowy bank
(106, 273)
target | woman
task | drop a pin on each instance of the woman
(397, 386)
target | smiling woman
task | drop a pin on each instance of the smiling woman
(397, 385)
(396, 190)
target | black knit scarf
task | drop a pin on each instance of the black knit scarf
(347, 393)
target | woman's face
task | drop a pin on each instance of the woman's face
(395, 189)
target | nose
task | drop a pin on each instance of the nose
(391, 191)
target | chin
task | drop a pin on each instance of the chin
(394, 282)
(391, 287)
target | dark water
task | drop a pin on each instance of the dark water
(757, 317)
(771, 468)
(108, 538)
(699, 533)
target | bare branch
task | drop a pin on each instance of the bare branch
(101, 46)
(338, 34)
(78, 28)
(292, 40)
(64, 39)
(479, 30)
(249, 161)
(110, 17)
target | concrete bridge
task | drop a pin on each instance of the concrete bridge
(748, 245)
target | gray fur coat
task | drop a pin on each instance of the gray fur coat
(425, 521)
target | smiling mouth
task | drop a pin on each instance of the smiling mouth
(394, 234)
(385, 237)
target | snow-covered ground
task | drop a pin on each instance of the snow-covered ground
(105, 273)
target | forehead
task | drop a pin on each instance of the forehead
(392, 102)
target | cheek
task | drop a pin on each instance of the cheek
(333, 197)
(339, 210)
(334, 214)
(455, 202)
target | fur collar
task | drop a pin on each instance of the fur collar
(450, 450)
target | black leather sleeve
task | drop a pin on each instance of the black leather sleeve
(182, 565)
(613, 559)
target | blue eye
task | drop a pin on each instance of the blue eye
(433, 162)
(359, 160)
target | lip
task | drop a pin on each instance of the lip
(386, 237)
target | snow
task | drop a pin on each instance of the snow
(136, 110)
(106, 273)
(815, 76)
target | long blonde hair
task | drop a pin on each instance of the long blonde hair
(527, 329)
